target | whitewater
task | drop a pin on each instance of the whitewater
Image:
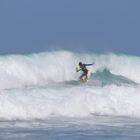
(42, 93)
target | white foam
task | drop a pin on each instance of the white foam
(80, 101)
(40, 69)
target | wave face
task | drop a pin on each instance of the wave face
(38, 86)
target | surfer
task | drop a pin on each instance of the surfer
(85, 71)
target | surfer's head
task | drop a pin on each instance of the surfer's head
(80, 63)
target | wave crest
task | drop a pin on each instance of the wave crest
(59, 66)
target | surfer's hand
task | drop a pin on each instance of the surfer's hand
(77, 69)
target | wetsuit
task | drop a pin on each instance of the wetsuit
(84, 69)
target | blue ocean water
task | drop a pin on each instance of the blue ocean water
(42, 99)
(90, 128)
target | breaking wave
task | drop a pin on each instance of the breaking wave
(39, 86)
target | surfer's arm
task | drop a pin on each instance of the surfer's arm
(88, 64)
(77, 70)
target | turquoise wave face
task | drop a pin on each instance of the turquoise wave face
(107, 78)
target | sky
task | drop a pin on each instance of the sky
(28, 26)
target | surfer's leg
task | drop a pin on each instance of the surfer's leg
(81, 77)
(88, 74)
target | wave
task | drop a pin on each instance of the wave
(76, 101)
(17, 71)
(39, 86)
(107, 78)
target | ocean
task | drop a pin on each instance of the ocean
(41, 97)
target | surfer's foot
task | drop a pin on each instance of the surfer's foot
(83, 80)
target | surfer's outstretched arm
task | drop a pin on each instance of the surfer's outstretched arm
(89, 64)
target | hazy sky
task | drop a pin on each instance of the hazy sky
(82, 25)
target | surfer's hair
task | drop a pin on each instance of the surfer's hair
(80, 63)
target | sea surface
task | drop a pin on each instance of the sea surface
(41, 97)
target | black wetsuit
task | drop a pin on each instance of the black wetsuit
(84, 69)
